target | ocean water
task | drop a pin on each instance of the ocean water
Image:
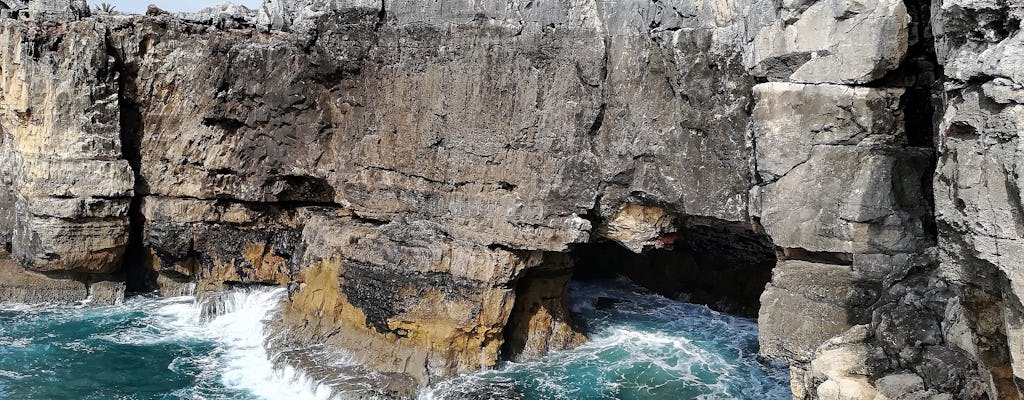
(643, 347)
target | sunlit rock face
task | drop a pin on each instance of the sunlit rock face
(66, 187)
(423, 175)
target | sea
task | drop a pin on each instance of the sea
(642, 346)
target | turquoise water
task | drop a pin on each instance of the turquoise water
(643, 347)
(147, 348)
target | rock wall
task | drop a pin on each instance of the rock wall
(977, 193)
(419, 173)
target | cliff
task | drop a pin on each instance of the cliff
(426, 177)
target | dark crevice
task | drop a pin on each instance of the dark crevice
(921, 76)
(382, 16)
(598, 120)
(302, 189)
(922, 102)
(370, 220)
(138, 278)
(284, 204)
(819, 257)
(230, 125)
(919, 109)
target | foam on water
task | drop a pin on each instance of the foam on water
(642, 346)
(147, 348)
(239, 329)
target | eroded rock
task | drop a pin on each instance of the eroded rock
(638, 227)
(805, 305)
(844, 41)
(410, 169)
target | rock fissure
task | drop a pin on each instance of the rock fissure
(425, 177)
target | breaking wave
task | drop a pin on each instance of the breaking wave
(147, 348)
(642, 346)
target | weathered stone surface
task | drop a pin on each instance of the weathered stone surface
(846, 146)
(789, 120)
(804, 305)
(66, 185)
(899, 386)
(844, 365)
(428, 305)
(638, 228)
(977, 183)
(224, 16)
(221, 243)
(541, 321)
(414, 170)
(60, 10)
(20, 286)
(832, 41)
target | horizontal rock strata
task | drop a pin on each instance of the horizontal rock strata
(423, 176)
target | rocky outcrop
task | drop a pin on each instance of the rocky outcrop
(976, 185)
(851, 42)
(463, 147)
(860, 303)
(425, 177)
(21, 286)
(65, 187)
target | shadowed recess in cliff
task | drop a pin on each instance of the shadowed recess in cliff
(137, 279)
(725, 267)
(541, 321)
(629, 304)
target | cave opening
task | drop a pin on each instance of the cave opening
(724, 266)
(659, 304)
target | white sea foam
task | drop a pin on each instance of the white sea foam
(19, 343)
(11, 374)
(642, 346)
(237, 329)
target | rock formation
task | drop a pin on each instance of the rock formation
(426, 176)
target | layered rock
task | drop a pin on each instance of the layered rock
(846, 41)
(467, 147)
(65, 186)
(858, 304)
(423, 175)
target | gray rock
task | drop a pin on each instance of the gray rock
(833, 41)
(58, 10)
(225, 16)
(804, 306)
(977, 181)
(898, 386)
(414, 171)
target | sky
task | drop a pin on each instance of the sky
(139, 6)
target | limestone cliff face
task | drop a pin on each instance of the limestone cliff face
(423, 174)
(977, 195)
